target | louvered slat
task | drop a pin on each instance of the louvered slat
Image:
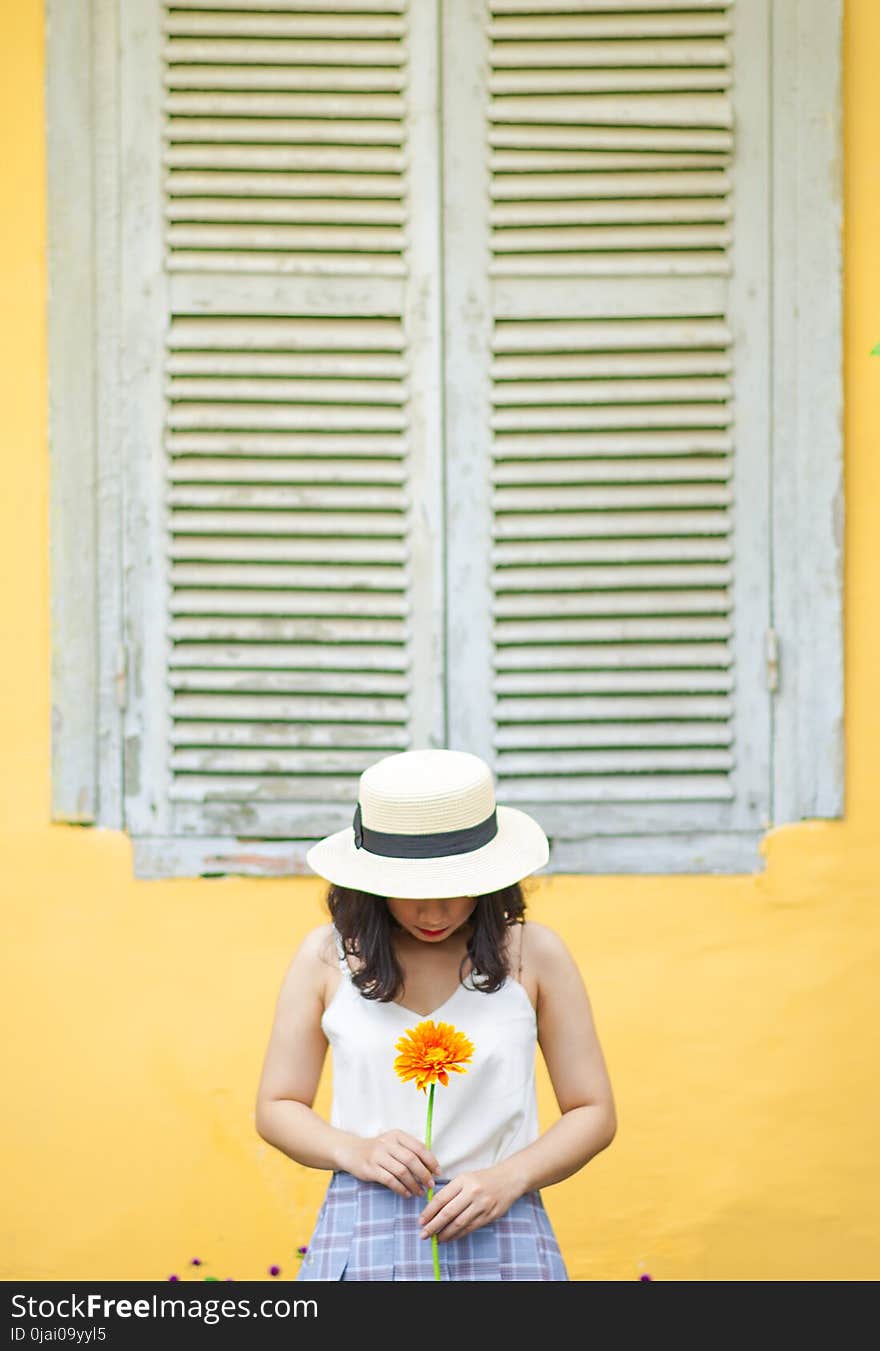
(540, 25)
(195, 469)
(284, 655)
(288, 733)
(601, 656)
(537, 10)
(257, 681)
(616, 139)
(343, 8)
(283, 25)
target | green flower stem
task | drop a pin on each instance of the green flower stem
(435, 1252)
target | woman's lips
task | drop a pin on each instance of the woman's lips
(432, 933)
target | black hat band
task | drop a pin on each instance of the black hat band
(439, 845)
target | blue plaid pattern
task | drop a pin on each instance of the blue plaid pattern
(366, 1232)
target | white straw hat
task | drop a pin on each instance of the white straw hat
(427, 825)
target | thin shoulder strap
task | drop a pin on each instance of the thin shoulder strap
(521, 928)
(343, 960)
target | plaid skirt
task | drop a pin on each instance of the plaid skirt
(366, 1232)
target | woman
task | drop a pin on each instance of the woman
(427, 924)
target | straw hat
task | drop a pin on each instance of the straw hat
(427, 825)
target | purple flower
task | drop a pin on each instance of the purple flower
(274, 1271)
(645, 1277)
(196, 1262)
(174, 1278)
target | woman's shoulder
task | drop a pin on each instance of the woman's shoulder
(545, 950)
(550, 969)
(308, 970)
(319, 944)
(316, 952)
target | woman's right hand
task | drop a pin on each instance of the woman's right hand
(394, 1158)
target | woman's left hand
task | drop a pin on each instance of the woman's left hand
(466, 1203)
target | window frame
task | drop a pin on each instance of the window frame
(91, 513)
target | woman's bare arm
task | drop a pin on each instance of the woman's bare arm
(293, 1063)
(291, 1072)
(570, 1045)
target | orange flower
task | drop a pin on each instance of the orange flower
(429, 1050)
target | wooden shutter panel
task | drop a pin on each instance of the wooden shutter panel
(608, 342)
(282, 238)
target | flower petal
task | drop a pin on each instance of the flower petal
(429, 1051)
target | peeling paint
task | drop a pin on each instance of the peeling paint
(132, 765)
(838, 521)
(265, 863)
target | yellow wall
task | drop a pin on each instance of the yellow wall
(738, 1015)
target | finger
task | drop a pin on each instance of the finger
(389, 1180)
(402, 1173)
(412, 1161)
(469, 1219)
(452, 1209)
(406, 1173)
(439, 1200)
(421, 1150)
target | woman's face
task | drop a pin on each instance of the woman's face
(432, 921)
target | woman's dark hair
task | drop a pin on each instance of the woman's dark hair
(366, 925)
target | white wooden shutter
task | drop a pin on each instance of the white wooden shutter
(607, 433)
(589, 475)
(280, 310)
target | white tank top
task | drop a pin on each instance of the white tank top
(481, 1116)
